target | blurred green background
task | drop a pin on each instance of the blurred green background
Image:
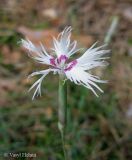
(98, 128)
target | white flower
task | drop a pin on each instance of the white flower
(75, 70)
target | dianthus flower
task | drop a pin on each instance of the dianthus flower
(76, 70)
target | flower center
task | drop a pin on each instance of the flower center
(60, 63)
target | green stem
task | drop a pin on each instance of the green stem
(62, 110)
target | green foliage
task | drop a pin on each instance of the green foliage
(10, 37)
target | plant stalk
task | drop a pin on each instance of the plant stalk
(62, 110)
(110, 33)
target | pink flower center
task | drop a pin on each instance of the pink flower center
(62, 59)
(60, 63)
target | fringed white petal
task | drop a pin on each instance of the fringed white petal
(63, 44)
(38, 83)
(80, 77)
(39, 54)
(93, 57)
